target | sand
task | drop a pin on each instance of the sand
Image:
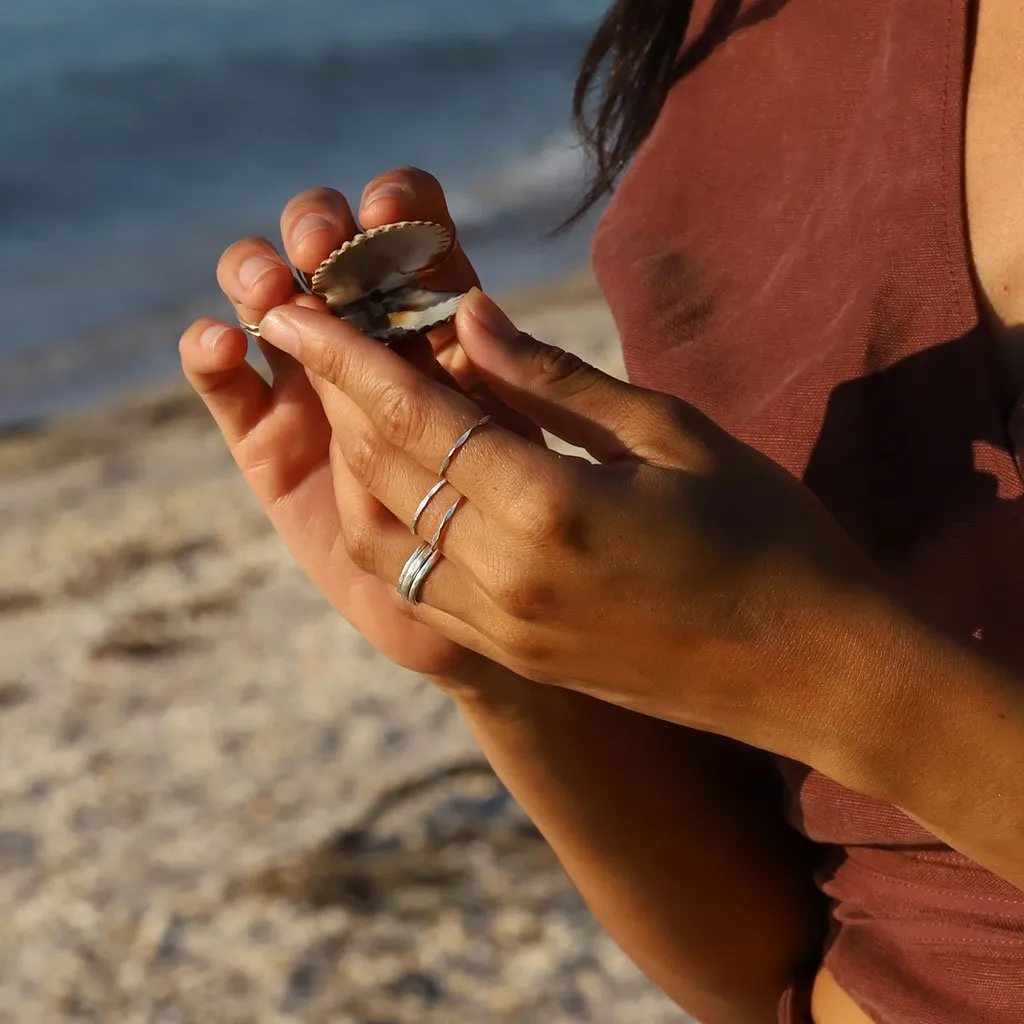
(217, 802)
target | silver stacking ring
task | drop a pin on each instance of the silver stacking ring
(422, 561)
(420, 577)
(422, 507)
(442, 478)
(445, 520)
(461, 443)
(412, 566)
(252, 329)
(302, 279)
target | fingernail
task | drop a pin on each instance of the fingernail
(389, 190)
(278, 327)
(254, 268)
(211, 336)
(310, 223)
(490, 316)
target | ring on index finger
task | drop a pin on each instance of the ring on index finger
(442, 477)
(253, 330)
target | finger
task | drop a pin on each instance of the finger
(253, 276)
(414, 495)
(556, 389)
(213, 360)
(314, 224)
(378, 544)
(283, 367)
(412, 194)
(397, 484)
(503, 474)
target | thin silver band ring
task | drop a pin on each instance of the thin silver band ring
(252, 329)
(420, 577)
(446, 519)
(302, 279)
(461, 443)
(411, 567)
(422, 561)
(422, 507)
(442, 478)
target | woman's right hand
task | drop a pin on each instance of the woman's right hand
(279, 434)
(683, 842)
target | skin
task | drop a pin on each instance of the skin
(738, 607)
(339, 470)
(593, 776)
(994, 154)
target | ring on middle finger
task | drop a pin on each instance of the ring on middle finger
(422, 507)
(445, 520)
(442, 476)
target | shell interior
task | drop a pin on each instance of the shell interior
(371, 281)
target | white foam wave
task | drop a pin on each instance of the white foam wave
(550, 175)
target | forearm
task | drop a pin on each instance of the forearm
(938, 731)
(662, 829)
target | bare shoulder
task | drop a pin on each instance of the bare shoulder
(993, 158)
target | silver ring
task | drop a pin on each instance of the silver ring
(412, 566)
(252, 329)
(461, 443)
(422, 507)
(302, 279)
(420, 577)
(445, 521)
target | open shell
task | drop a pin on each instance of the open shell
(372, 280)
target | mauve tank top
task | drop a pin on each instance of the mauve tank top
(789, 253)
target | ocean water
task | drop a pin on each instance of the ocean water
(138, 138)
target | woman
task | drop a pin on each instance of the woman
(791, 254)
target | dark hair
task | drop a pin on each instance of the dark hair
(628, 70)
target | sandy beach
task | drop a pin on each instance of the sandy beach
(219, 804)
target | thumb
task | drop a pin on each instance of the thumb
(556, 389)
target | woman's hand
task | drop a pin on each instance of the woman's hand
(685, 576)
(279, 433)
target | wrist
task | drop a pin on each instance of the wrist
(484, 686)
(912, 702)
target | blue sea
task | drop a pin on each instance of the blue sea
(138, 138)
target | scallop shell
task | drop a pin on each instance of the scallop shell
(371, 281)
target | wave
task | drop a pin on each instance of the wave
(155, 163)
(539, 181)
(136, 130)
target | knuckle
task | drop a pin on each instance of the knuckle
(364, 457)
(523, 592)
(549, 517)
(400, 414)
(361, 543)
(660, 405)
(674, 431)
(656, 417)
(525, 648)
(331, 364)
(555, 366)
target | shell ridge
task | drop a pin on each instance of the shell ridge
(371, 280)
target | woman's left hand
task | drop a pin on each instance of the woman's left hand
(683, 575)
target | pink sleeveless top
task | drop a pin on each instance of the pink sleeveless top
(789, 253)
